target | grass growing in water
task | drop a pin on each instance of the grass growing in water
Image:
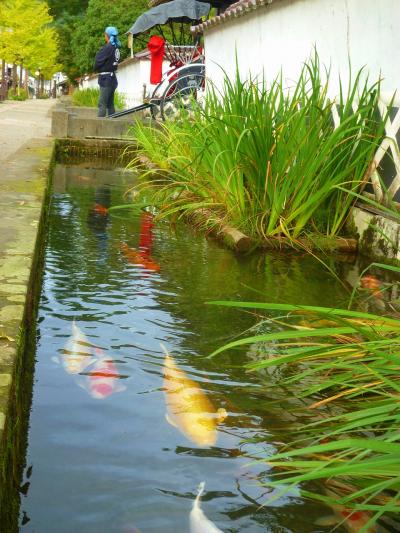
(267, 160)
(90, 98)
(349, 360)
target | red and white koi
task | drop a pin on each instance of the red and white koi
(103, 379)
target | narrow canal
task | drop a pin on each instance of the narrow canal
(103, 457)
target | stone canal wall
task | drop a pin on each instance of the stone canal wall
(24, 211)
(82, 122)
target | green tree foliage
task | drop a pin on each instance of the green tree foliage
(65, 28)
(27, 36)
(88, 35)
(67, 16)
(60, 8)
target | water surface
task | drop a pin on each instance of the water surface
(115, 464)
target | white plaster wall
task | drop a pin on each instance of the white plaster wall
(130, 83)
(282, 35)
(132, 77)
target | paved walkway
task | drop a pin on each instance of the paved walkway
(25, 151)
(22, 121)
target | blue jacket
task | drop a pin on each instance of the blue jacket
(107, 59)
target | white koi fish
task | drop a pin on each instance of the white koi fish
(188, 408)
(77, 354)
(199, 523)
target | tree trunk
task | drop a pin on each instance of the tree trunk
(26, 81)
(3, 70)
(14, 78)
(21, 79)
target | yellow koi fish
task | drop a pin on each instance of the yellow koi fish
(199, 523)
(188, 408)
(77, 354)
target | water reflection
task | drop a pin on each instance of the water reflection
(142, 257)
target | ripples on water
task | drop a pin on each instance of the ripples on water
(113, 464)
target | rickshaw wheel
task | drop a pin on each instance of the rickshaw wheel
(175, 99)
(155, 111)
(172, 107)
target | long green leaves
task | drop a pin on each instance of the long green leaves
(270, 161)
(350, 361)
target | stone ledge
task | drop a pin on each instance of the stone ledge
(379, 234)
(24, 184)
(81, 123)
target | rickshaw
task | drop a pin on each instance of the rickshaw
(185, 78)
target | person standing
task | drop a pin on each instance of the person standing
(106, 64)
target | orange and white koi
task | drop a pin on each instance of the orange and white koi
(100, 210)
(352, 521)
(372, 284)
(135, 257)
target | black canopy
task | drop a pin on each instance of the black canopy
(174, 11)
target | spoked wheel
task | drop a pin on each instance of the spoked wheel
(178, 90)
(155, 109)
(182, 94)
(172, 107)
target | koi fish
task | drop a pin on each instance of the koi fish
(139, 258)
(199, 523)
(146, 232)
(372, 284)
(352, 521)
(188, 408)
(77, 354)
(149, 264)
(103, 378)
(100, 210)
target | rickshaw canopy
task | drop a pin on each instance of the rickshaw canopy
(174, 11)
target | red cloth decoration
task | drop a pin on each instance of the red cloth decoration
(156, 46)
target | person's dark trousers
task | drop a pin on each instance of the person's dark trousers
(108, 86)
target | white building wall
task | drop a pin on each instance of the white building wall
(133, 81)
(282, 35)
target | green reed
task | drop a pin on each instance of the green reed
(269, 160)
(349, 362)
(90, 98)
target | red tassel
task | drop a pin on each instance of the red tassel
(156, 46)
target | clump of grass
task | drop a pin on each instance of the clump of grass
(90, 98)
(19, 96)
(350, 360)
(271, 161)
